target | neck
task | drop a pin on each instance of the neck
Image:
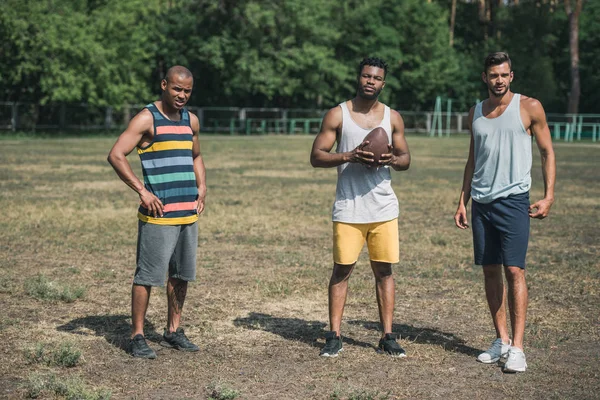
(362, 105)
(170, 112)
(502, 100)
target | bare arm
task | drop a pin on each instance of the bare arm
(539, 129)
(141, 125)
(321, 155)
(199, 169)
(399, 156)
(460, 218)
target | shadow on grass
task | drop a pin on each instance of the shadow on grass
(448, 341)
(309, 331)
(116, 329)
(291, 329)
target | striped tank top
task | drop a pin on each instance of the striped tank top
(502, 150)
(168, 169)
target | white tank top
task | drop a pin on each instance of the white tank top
(363, 195)
(502, 154)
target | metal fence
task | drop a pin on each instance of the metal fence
(79, 118)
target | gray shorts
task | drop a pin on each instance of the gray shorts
(162, 246)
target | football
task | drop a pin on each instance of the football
(378, 143)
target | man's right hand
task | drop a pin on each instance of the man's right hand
(460, 218)
(358, 155)
(151, 203)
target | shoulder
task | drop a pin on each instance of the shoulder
(530, 103)
(533, 107)
(472, 110)
(334, 114)
(194, 122)
(396, 120)
(395, 115)
(143, 118)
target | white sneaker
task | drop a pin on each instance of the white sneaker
(495, 352)
(515, 361)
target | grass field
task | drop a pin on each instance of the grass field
(259, 307)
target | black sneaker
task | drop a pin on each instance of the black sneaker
(178, 340)
(388, 345)
(333, 345)
(139, 348)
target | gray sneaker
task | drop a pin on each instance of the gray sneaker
(139, 348)
(178, 340)
(495, 352)
(333, 345)
(389, 345)
(515, 361)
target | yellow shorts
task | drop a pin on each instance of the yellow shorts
(381, 238)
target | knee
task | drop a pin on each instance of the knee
(492, 272)
(341, 273)
(514, 274)
(381, 271)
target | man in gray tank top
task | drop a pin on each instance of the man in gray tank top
(497, 177)
(365, 207)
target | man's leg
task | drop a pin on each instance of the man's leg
(338, 290)
(517, 302)
(385, 291)
(140, 296)
(496, 297)
(182, 269)
(176, 292)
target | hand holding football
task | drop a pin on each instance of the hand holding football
(378, 143)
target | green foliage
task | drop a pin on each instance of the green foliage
(285, 53)
(590, 57)
(42, 289)
(219, 392)
(361, 395)
(74, 388)
(65, 356)
(63, 51)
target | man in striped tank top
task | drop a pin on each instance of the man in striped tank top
(497, 177)
(365, 207)
(171, 199)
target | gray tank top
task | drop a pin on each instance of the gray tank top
(502, 154)
(363, 195)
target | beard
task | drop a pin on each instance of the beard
(368, 96)
(499, 94)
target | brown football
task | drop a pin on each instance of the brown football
(378, 143)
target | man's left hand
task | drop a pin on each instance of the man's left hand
(540, 209)
(387, 158)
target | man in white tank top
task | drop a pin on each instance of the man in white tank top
(365, 208)
(497, 178)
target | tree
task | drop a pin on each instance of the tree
(94, 52)
(573, 10)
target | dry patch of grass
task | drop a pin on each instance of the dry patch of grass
(259, 306)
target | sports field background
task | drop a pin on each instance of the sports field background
(259, 307)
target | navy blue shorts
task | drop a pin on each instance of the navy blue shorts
(501, 231)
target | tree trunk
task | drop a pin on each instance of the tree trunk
(452, 21)
(573, 14)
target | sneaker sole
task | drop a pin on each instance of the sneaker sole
(147, 357)
(397, 355)
(491, 361)
(512, 370)
(331, 355)
(170, 346)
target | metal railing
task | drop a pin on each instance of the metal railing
(252, 121)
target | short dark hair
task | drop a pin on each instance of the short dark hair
(373, 62)
(497, 58)
(178, 70)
